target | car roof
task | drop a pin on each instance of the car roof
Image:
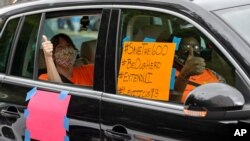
(212, 5)
(208, 5)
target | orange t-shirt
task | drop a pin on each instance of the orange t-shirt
(82, 75)
(206, 77)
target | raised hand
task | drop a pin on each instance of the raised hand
(193, 65)
(47, 47)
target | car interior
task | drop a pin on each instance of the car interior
(161, 27)
(82, 29)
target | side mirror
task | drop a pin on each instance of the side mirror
(216, 101)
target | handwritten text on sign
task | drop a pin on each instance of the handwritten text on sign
(145, 69)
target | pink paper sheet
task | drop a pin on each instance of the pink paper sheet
(45, 120)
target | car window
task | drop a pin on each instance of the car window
(1, 24)
(235, 18)
(6, 41)
(149, 67)
(82, 28)
(23, 63)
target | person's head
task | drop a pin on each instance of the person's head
(64, 50)
(188, 43)
(189, 40)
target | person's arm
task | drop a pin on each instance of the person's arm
(53, 74)
(179, 87)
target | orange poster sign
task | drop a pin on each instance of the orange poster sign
(145, 69)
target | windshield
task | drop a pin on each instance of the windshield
(238, 19)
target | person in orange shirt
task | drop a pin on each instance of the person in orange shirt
(60, 55)
(191, 69)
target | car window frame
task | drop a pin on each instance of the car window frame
(13, 39)
(64, 12)
(111, 92)
(34, 81)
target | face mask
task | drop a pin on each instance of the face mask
(65, 57)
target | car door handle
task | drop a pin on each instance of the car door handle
(117, 135)
(9, 114)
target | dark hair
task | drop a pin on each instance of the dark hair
(194, 33)
(55, 40)
(185, 33)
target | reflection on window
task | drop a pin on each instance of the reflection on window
(237, 19)
(23, 63)
(6, 42)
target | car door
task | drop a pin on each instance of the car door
(130, 108)
(22, 63)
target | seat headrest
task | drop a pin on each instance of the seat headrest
(87, 51)
(151, 31)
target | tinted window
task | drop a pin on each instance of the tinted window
(236, 18)
(23, 63)
(6, 41)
